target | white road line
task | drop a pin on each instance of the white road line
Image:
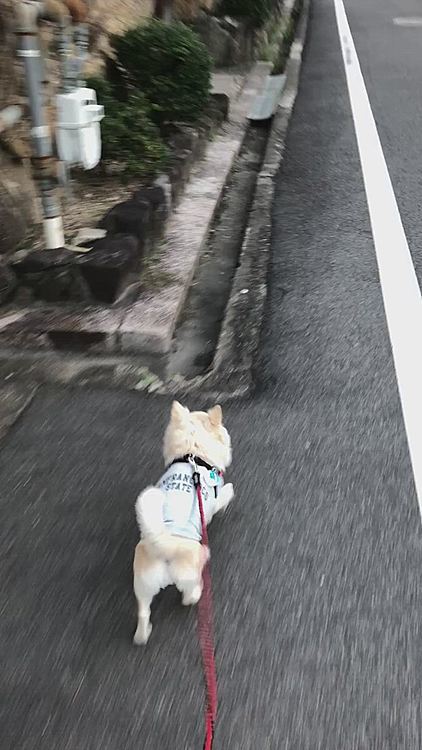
(400, 288)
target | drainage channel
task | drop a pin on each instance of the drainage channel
(197, 334)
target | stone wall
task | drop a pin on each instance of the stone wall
(18, 206)
(116, 16)
(188, 10)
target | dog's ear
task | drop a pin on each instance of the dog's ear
(216, 416)
(178, 412)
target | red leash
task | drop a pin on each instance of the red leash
(205, 629)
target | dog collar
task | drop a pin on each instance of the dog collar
(199, 462)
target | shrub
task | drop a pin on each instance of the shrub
(128, 134)
(287, 40)
(170, 65)
(255, 11)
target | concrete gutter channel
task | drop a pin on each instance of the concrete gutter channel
(231, 374)
(235, 245)
(197, 334)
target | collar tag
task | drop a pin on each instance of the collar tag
(212, 478)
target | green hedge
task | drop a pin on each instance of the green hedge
(170, 65)
(128, 133)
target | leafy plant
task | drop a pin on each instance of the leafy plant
(170, 65)
(287, 39)
(128, 133)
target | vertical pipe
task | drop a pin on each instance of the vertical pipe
(29, 51)
(64, 53)
(82, 45)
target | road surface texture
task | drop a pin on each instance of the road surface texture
(316, 565)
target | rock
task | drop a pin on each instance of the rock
(8, 284)
(113, 168)
(217, 39)
(110, 266)
(52, 276)
(222, 104)
(176, 173)
(16, 205)
(86, 235)
(100, 274)
(164, 182)
(41, 260)
(132, 217)
(229, 41)
(155, 195)
(158, 196)
(64, 284)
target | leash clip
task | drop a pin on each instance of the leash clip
(195, 473)
(192, 462)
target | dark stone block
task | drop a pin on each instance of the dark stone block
(52, 276)
(60, 285)
(218, 40)
(109, 265)
(153, 194)
(77, 340)
(132, 217)
(97, 275)
(159, 202)
(222, 103)
(41, 260)
(8, 284)
(176, 172)
(15, 203)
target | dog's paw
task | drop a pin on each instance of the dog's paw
(142, 635)
(193, 597)
(229, 491)
(226, 496)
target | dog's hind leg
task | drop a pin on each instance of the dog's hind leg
(148, 578)
(144, 627)
(186, 570)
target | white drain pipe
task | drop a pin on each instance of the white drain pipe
(43, 161)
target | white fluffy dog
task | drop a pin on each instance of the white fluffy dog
(170, 550)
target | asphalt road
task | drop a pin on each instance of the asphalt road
(316, 566)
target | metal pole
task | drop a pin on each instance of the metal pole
(64, 48)
(82, 44)
(43, 161)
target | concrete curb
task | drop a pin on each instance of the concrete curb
(232, 373)
(14, 400)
